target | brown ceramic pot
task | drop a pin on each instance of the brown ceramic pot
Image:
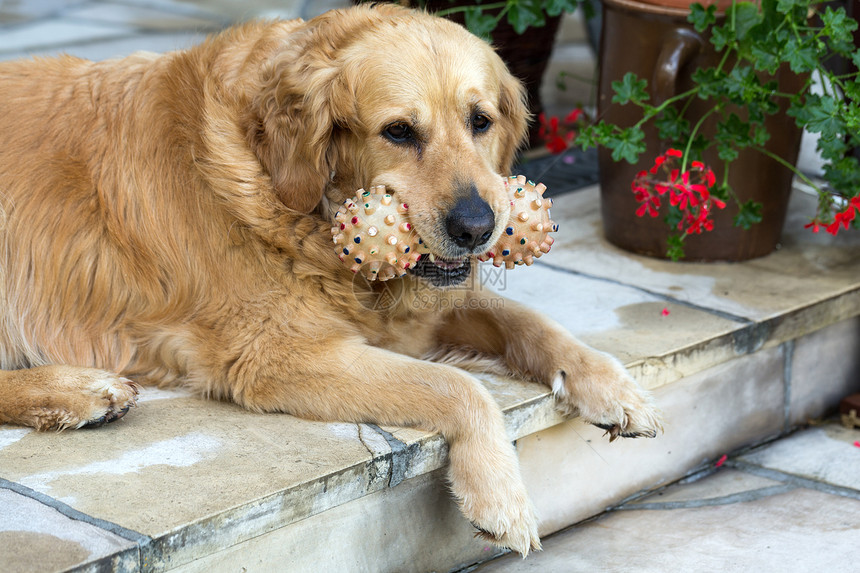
(657, 43)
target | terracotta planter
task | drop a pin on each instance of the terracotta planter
(657, 43)
(685, 4)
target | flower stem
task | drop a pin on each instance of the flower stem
(788, 165)
(483, 7)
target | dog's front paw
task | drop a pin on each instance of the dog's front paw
(505, 518)
(112, 397)
(77, 397)
(485, 479)
(599, 389)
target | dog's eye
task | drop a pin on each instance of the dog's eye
(399, 133)
(480, 123)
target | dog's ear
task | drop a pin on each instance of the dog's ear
(515, 114)
(293, 117)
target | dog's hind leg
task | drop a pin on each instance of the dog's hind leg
(59, 397)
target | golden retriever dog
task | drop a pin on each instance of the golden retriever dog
(167, 219)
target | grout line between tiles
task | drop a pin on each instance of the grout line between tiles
(73, 513)
(793, 479)
(741, 497)
(399, 456)
(171, 8)
(661, 296)
(788, 364)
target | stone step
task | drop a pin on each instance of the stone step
(789, 505)
(186, 484)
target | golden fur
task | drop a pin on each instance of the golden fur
(165, 218)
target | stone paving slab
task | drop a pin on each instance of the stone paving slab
(573, 472)
(800, 531)
(100, 29)
(620, 318)
(825, 455)
(226, 482)
(224, 476)
(719, 487)
(35, 537)
(725, 519)
(809, 268)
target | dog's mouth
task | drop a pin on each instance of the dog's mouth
(441, 272)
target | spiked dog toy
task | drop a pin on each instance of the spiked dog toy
(526, 236)
(372, 233)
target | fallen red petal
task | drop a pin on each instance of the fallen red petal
(721, 461)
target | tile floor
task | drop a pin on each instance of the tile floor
(99, 29)
(792, 505)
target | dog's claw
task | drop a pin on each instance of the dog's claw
(614, 432)
(108, 418)
(97, 423)
(484, 534)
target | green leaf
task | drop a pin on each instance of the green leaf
(832, 148)
(742, 85)
(838, 25)
(630, 88)
(749, 215)
(675, 248)
(592, 135)
(801, 56)
(764, 60)
(843, 175)
(746, 17)
(721, 37)
(711, 82)
(673, 216)
(787, 6)
(556, 7)
(727, 151)
(672, 127)
(701, 17)
(760, 136)
(628, 145)
(524, 14)
(820, 114)
(480, 24)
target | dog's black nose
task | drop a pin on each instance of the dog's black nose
(471, 222)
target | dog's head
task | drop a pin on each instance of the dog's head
(387, 96)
